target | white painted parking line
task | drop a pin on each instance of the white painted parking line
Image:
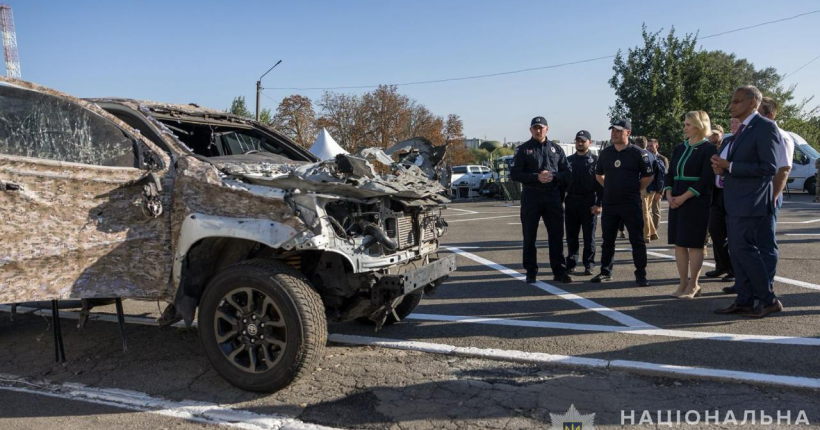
(794, 282)
(802, 234)
(462, 210)
(207, 413)
(479, 219)
(580, 301)
(801, 203)
(448, 216)
(684, 334)
(495, 354)
(650, 330)
(811, 221)
(584, 362)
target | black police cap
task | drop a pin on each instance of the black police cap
(621, 124)
(584, 135)
(539, 120)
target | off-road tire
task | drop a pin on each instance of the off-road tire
(299, 306)
(406, 307)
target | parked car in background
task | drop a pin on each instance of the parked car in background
(469, 177)
(804, 170)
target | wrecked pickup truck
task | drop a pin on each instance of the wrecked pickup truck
(216, 215)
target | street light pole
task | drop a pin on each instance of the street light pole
(259, 88)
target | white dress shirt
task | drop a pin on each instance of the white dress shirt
(785, 152)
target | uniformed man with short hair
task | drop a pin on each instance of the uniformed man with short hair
(623, 170)
(541, 167)
(582, 203)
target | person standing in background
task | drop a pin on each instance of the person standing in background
(785, 154)
(717, 221)
(623, 170)
(689, 184)
(817, 181)
(582, 204)
(745, 170)
(541, 167)
(653, 146)
(650, 229)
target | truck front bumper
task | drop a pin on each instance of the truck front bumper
(412, 280)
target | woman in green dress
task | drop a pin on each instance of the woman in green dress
(688, 190)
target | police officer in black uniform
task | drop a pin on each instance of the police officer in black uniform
(623, 170)
(582, 203)
(541, 167)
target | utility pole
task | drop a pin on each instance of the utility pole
(259, 88)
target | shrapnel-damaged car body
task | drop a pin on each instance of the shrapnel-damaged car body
(115, 198)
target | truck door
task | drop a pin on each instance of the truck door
(84, 202)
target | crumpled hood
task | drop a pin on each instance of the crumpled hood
(346, 176)
(260, 163)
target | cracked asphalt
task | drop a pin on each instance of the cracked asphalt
(365, 387)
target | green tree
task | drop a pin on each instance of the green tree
(265, 116)
(658, 82)
(239, 108)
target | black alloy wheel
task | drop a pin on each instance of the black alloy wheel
(262, 325)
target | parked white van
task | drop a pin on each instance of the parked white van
(469, 176)
(804, 168)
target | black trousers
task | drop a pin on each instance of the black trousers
(753, 254)
(578, 216)
(719, 233)
(632, 216)
(537, 206)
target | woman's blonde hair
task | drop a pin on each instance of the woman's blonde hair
(700, 120)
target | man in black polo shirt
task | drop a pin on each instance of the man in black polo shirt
(623, 170)
(542, 169)
(582, 204)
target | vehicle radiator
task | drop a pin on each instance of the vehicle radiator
(406, 232)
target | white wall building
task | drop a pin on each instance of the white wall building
(472, 143)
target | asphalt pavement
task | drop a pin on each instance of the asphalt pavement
(500, 353)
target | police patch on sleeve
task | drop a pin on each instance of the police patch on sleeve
(647, 163)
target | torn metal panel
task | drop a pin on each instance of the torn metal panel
(375, 155)
(420, 152)
(199, 189)
(404, 182)
(77, 231)
(354, 166)
(262, 163)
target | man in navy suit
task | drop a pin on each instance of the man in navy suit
(745, 168)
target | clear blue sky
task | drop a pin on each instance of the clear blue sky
(208, 52)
